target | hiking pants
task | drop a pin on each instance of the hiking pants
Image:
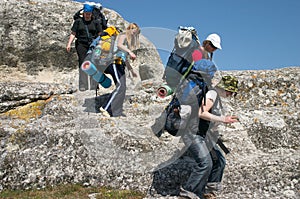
(219, 162)
(114, 104)
(201, 170)
(85, 81)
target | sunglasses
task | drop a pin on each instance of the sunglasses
(212, 45)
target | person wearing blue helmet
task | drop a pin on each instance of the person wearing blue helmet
(85, 29)
(88, 8)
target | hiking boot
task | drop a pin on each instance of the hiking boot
(159, 133)
(104, 112)
(82, 89)
(187, 194)
(210, 195)
(213, 186)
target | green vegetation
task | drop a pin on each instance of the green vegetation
(71, 191)
(29, 111)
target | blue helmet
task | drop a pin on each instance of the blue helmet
(88, 8)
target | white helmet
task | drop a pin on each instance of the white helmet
(215, 40)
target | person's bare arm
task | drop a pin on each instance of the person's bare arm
(124, 48)
(71, 39)
(206, 115)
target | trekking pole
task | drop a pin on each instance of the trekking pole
(222, 146)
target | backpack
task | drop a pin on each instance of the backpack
(180, 60)
(186, 101)
(100, 55)
(177, 116)
(97, 13)
(102, 50)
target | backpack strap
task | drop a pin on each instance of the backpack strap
(89, 37)
(188, 70)
(184, 76)
(87, 32)
(77, 14)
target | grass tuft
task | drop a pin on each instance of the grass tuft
(71, 191)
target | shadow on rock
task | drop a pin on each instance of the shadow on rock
(93, 104)
(167, 180)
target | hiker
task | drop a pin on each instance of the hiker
(210, 161)
(209, 45)
(127, 43)
(97, 14)
(84, 29)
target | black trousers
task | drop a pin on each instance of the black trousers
(114, 104)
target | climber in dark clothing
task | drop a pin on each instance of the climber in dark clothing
(85, 30)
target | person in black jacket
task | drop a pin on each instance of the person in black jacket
(85, 30)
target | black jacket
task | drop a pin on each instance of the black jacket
(86, 31)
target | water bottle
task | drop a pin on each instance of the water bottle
(96, 54)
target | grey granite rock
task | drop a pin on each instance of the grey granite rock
(51, 133)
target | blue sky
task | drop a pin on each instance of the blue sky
(256, 34)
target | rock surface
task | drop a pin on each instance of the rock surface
(34, 35)
(50, 133)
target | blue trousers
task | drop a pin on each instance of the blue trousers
(202, 169)
(219, 163)
(216, 175)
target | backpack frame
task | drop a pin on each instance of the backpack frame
(180, 60)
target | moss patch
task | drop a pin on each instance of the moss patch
(71, 191)
(29, 111)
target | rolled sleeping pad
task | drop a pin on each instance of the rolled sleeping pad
(90, 69)
(164, 91)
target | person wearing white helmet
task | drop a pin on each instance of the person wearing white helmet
(215, 40)
(209, 45)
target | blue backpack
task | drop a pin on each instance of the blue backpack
(190, 93)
